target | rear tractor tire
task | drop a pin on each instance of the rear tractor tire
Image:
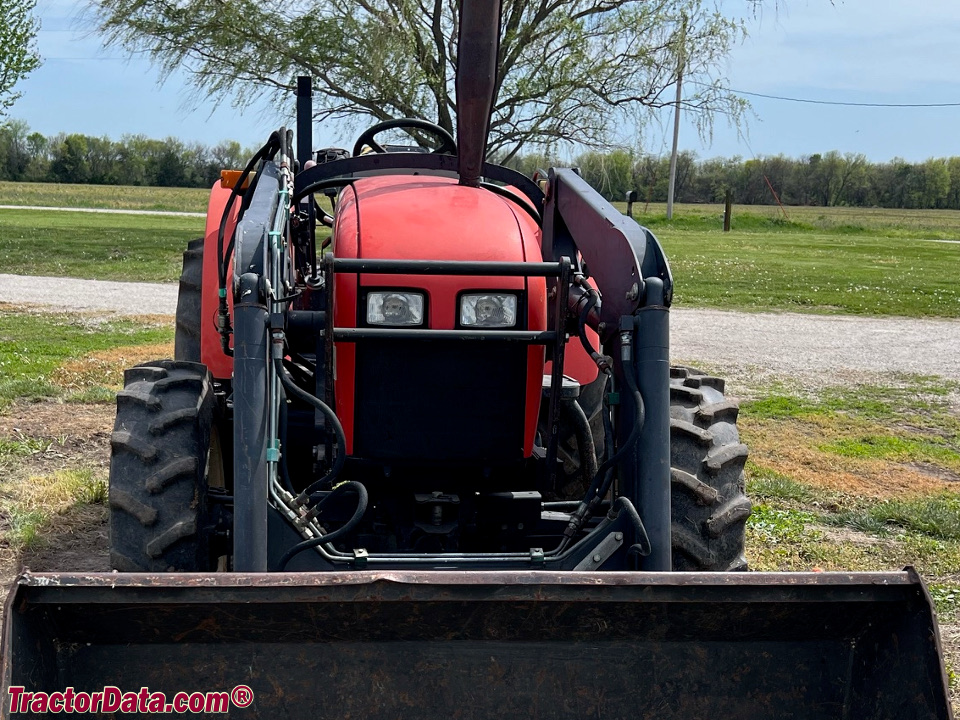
(186, 341)
(709, 507)
(165, 455)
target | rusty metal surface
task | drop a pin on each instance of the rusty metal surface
(457, 644)
(505, 579)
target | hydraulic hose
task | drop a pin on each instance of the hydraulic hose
(284, 424)
(586, 450)
(296, 391)
(642, 546)
(362, 501)
(223, 260)
(604, 476)
(628, 444)
(268, 149)
(593, 301)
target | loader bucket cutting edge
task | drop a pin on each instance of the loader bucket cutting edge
(450, 644)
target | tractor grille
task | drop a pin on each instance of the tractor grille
(440, 401)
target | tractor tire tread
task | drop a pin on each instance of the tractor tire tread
(137, 396)
(190, 304)
(124, 564)
(123, 440)
(703, 493)
(719, 458)
(122, 500)
(689, 544)
(158, 470)
(165, 422)
(727, 410)
(734, 510)
(178, 531)
(709, 507)
(170, 473)
(682, 427)
(143, 372)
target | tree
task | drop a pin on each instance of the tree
(18, 56)
(570, 70)
(611, 174)
(14, 150)
(71, 162)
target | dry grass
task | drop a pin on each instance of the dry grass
(105, 368)
(794, 448)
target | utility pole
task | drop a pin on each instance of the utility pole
(676, 120)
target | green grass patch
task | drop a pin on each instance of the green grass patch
(764, 484)
(819, 260)
(115, 197)
(24, 526)
(90, 245)
(946, 598)
(922, 402)
(805, 270)
(936, 517)
(33, 345)
(774, 526)
(21, 445)
(780, 407)
(899, 448)
(882, 222)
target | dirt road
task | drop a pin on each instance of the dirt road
(816, 349)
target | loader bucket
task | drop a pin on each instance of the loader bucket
(449, 644)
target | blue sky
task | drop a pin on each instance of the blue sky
(886, 51)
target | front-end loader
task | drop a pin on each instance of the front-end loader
(436, 464)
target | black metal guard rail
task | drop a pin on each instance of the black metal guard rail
(446, 267)
(529, 337)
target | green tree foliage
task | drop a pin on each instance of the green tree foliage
(132, 160)
(570, 70)
(18, 56)
(827, 179)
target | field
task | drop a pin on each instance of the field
(847, 260)
(840, 260)
(104, 196)
(855, 477)
(95, 246)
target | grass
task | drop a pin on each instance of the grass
(857, 478)
(899, 448)
(848, 260)
(33, 346)
(20, 445)
(884, 222)
(29, 506)
(808, 271)
(43, 478)
(116, 197)
(97, 246)
(937, 516)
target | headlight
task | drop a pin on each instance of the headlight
(488, 310)
(395, 308)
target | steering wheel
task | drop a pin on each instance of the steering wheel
(447, 144)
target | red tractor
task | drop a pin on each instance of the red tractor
(448, 467)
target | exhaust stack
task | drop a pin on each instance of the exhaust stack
(478, 50)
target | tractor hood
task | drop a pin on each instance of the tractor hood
(433, 218)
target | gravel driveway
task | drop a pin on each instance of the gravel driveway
(815, 349)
